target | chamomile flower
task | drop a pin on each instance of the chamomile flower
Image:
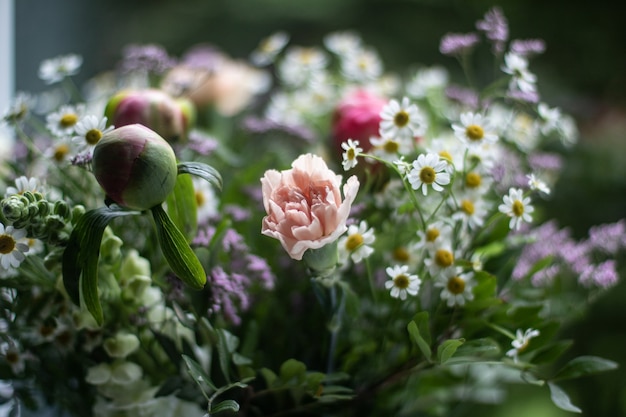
(63, 121)
(521, 78)
(426, 80)
(13, 246)
(402, 119)
(549, 118)
(402, 283)
(301, 64)
(429, 170)
(456, 288)
(440, 259)
(89, 131)
(435, 233)
(476, 183)
(474, 130)
(517, 207)
(356, 244)
(521, 342)
(60, 150)
(342, 43)
(362, 65)
(388, 148)
(536, 184)
(23, 184)
(269, 48)
(56, 69)
(470, 211)
(206, 200)
(19, 110)
(352, 150)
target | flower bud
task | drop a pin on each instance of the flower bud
(169, 117)
(135, 166)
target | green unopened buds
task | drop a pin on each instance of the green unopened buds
(135, 166)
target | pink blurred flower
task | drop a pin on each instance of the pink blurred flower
(357, 117)
(304, 205)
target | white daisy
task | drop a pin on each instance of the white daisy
(426, 80)
(549, 118)
(356, 243)
(63, 121)
(521, 342)
(402, 119)
(440, 259)
(56, 69)
(429, 170)
(13, 246)
(474, 130)
(207, 201)
(536, 184)
(89, 131)
(432, 238)
(517, 207)
(362, 65)
(401, 282)
(22, 104)
(521, 78)
(456, 287)
(388, 148)
(342, 43)
(301, 64)
(352, 150)
(470, 211)
(269, 48)
(23, 184)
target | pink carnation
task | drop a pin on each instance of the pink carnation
(304, 205)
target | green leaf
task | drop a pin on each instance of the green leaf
(179, 255)
(447, 349)
(198, 374)
(551, 352)
(226, 405)
(583, 366)
(80, 257)
(420, 334)
(204, 171)
(292, 368)
(226, 345)
(182, 206)
(561, 399)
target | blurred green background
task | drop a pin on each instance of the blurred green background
(583, 71)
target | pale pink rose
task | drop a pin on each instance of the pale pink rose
(304, 205)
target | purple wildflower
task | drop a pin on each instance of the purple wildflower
(603, 275)
(531, 97)
(202, 143)
(261, 270)
(545, 161)
(608, 238)
(228, 293)
(528, 47)
(453, 44)
(148, 58)
(237, 213)
(495, 27)
(205, 57)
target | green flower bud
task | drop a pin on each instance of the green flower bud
(169, 117)
(121, 345)
(62, 209)
(135, 166)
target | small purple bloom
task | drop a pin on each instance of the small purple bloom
(528, 47)
(463, 96)
(495, 27)
(453, 44)
(531, 97)
(149, 58)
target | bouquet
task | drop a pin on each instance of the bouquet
(301, 233)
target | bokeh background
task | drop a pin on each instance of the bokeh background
(583, 71)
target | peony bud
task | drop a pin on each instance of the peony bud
(135, 166)
(169, 117)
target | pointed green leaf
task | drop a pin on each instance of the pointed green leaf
(419, 331)
(179, 255)
(80, 257)
(561, 399)
(203, 171)
(226, 405)
(197, 373)
(447, 349)
(583, 366)
(182, 206)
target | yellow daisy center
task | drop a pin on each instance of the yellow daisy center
(518, 208)
(93, 136)
(467, 207)
(444, 258)
(354, 241)
(401, 254)
(68, 120)
(351, 154)
(391, 146)
(60, 152)
(432, 234)
(200, 199)
(427, 175)
(474, 132)
(401, 118)
(445, 155)
(401, 281)
(7, 244)
(473, 180)
(456, 285)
